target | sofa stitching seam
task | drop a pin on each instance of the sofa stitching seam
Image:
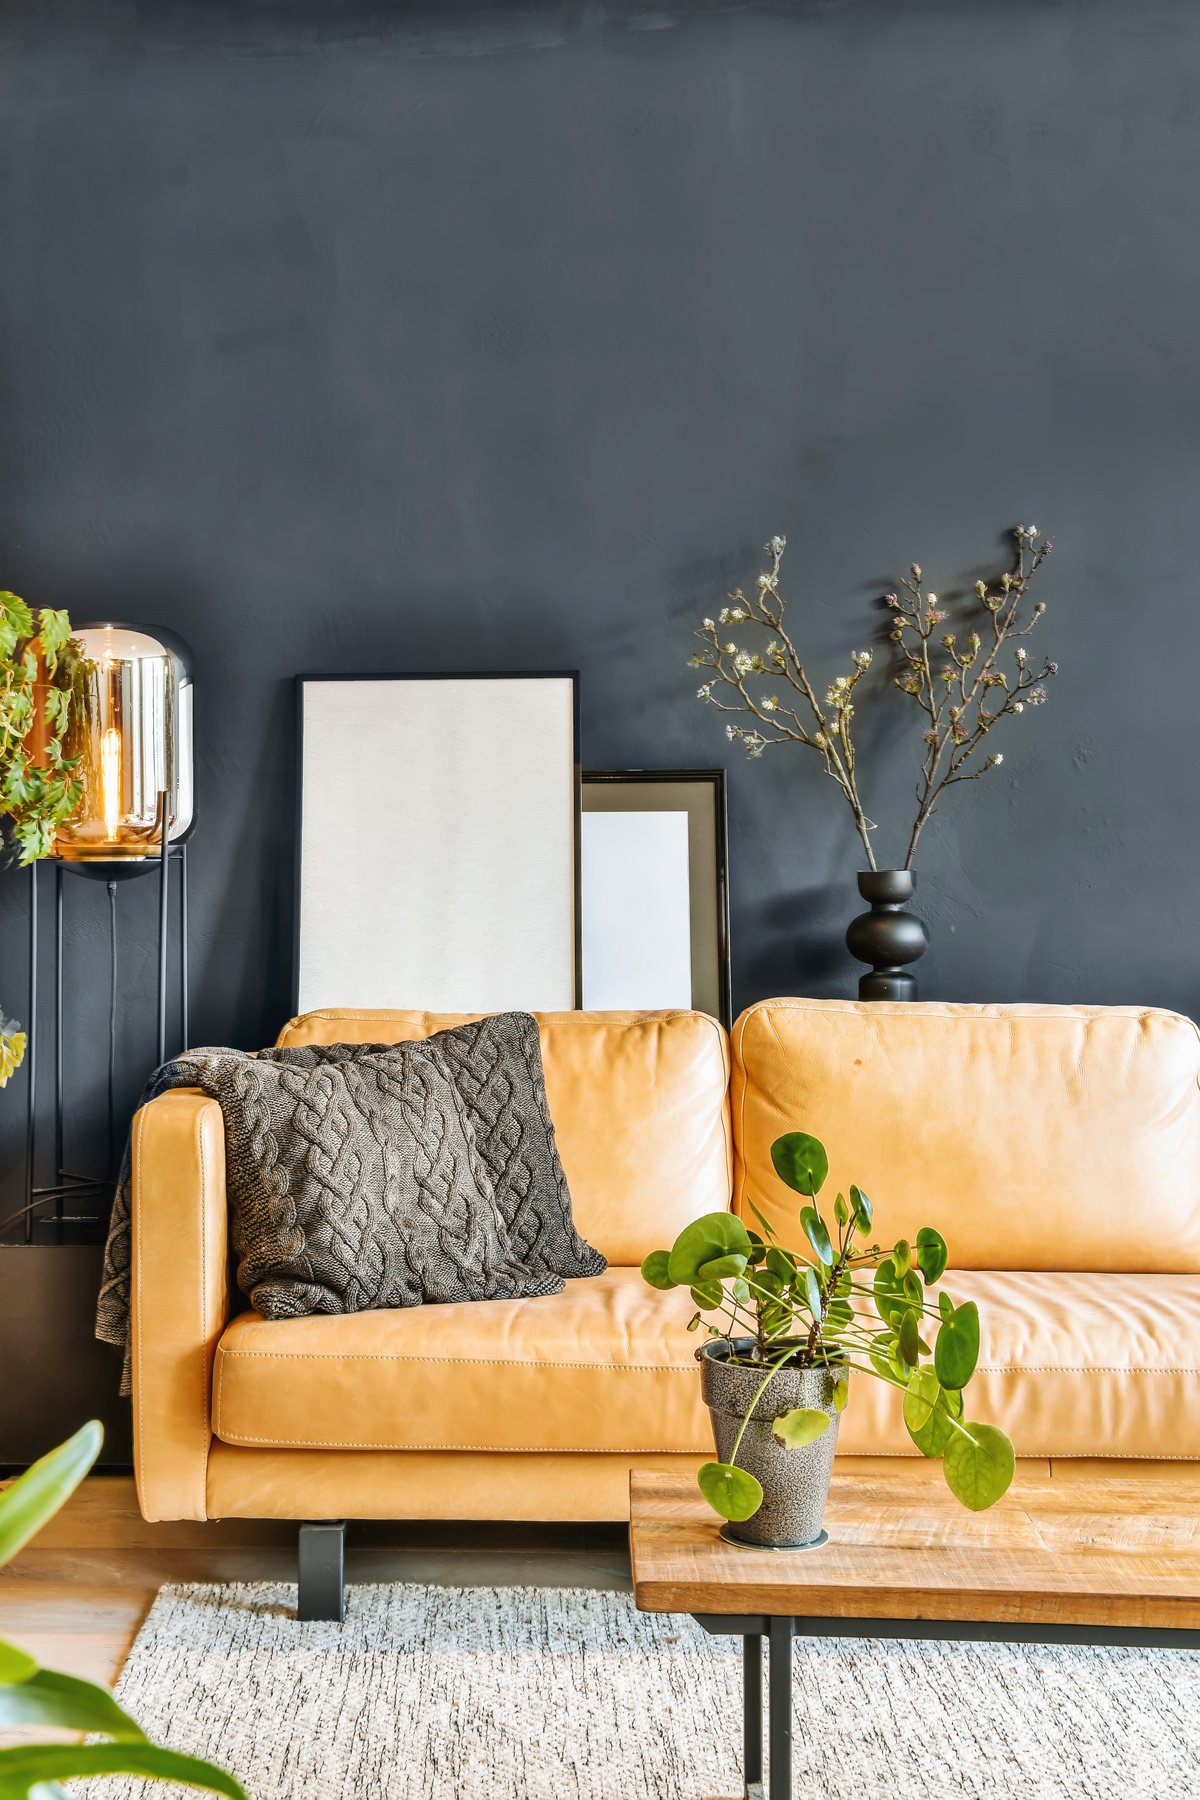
(485, 1362)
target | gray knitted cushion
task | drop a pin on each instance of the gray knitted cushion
(497, 1068)
(496, 1065)
(356, 1183)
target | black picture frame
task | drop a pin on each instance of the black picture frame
(715, 779)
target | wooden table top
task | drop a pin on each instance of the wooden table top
(1101, 1544)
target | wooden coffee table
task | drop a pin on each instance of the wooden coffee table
(1074, 1553)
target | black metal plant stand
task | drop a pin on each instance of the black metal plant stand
(70, 1186)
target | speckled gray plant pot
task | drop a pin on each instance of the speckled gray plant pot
(795, 1483)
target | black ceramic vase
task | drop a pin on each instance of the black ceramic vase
(887, 937)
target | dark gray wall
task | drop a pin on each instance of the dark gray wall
(352, 336)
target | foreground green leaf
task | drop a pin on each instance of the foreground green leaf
(37, 1495)
(802, 1425)
(979, 1464)
(48, 1698)
(841, 1393)
(730, 1491)
(800, 1162)
(15, 1664)
(862, 1209)
(27, 1764)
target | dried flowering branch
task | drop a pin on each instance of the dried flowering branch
(967, 693)
(801, 719)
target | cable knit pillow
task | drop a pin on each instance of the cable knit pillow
(355, 1182)
(496, 1065)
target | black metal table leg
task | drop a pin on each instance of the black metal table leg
(752, 1716)
(779, 1687)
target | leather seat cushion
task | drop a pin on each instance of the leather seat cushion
(1071, 1365)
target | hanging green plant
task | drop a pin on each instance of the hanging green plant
(40, 671)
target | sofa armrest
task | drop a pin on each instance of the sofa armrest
(179, 1297)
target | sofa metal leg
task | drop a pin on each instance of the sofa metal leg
(321, 1588)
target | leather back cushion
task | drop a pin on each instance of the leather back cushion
(640, 1109)
(1032, 1137)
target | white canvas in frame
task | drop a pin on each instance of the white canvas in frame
(637, 947)
(438, 824)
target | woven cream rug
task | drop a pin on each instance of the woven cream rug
(437, 1693)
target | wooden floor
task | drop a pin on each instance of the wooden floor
(76, 1597)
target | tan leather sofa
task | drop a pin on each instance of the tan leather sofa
(1058, 1149)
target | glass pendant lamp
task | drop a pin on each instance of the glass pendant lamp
(131, 729)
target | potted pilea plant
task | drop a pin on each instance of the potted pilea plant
(965, 681)
(33, 1696)
(38, 785)
(797, 1326)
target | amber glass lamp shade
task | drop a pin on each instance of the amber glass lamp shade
(131, 728)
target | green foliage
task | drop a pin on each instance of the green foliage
(802, 1425)
(810, 1308)
(38, 785)
(730, 1491)
(957, 1350)
(979, 1465)
(31, 1695)
(715, 1235)
(800, 1162)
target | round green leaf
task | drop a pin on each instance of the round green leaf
(902, 1257)
(932, 1254)
(729, 1490)
(841, 1393)
(945, 1306)
(707, 1295)
(840, 1210)
(802, 1425)
(979, 1467)
(715, 1235)
(817, 1233)
(722, 1268)
(957, 1349)
(654, 1270)
(928, 1412)
(862, 1209)
(800, 1162)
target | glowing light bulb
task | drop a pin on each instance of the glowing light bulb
(110, 780)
